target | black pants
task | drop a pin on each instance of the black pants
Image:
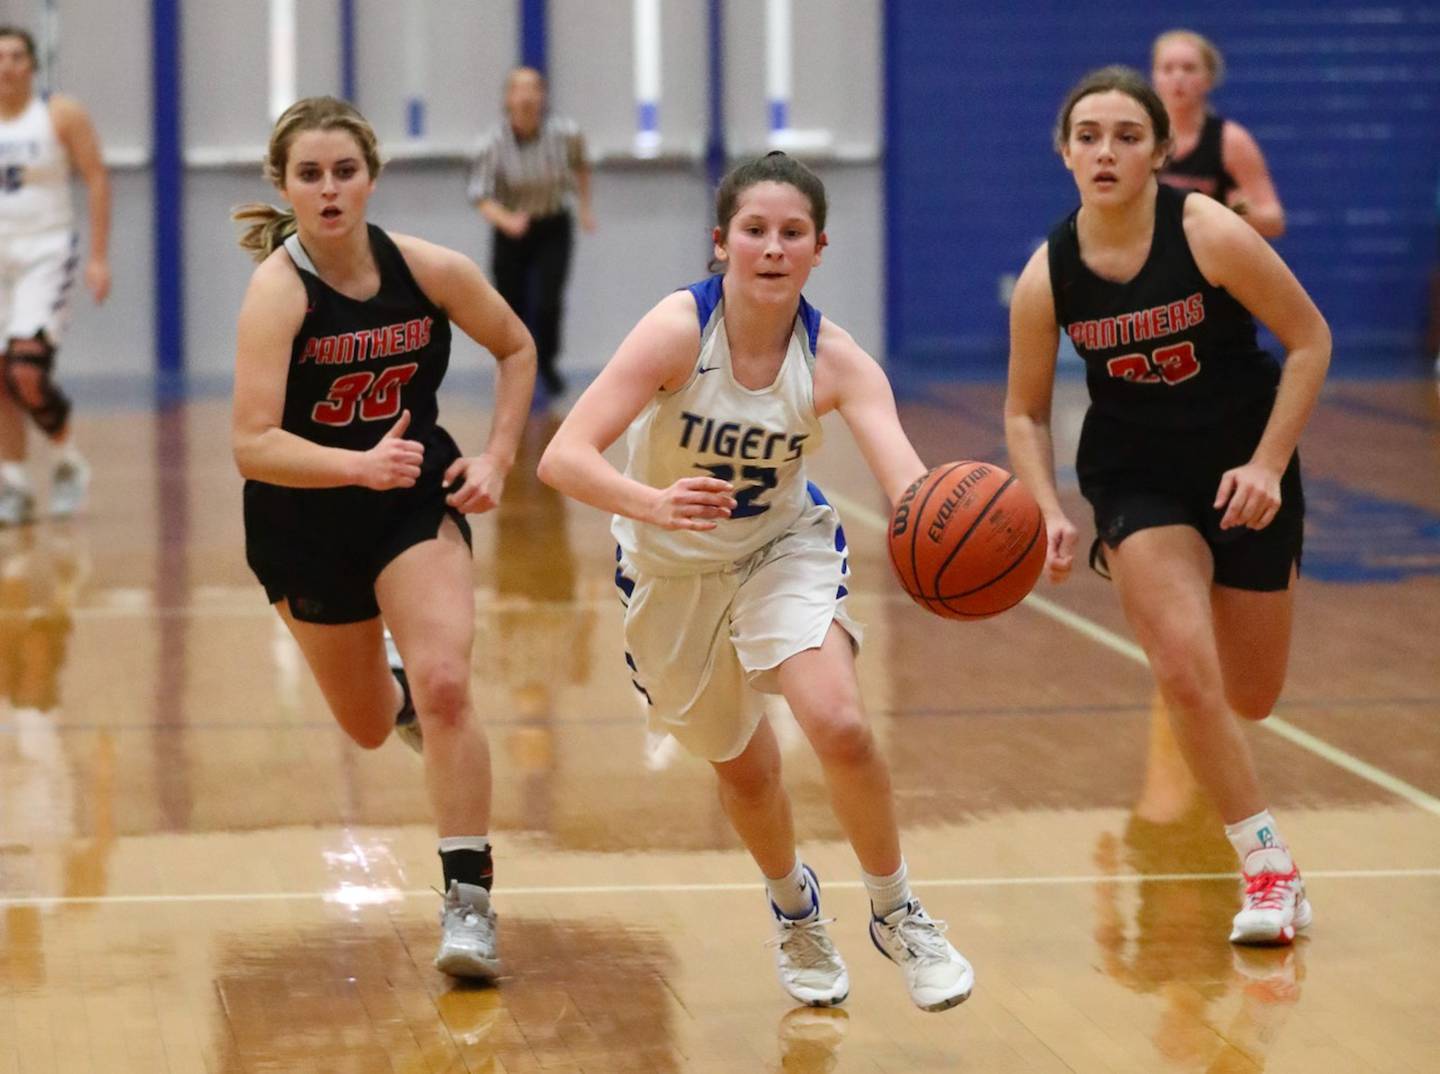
(530, 275)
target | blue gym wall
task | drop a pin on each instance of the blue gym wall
(1344, 98)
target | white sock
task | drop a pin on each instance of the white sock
(68, 452)
(1253, 833)
(888, 893)
(464, 842)
(14, 475)
(791, 893)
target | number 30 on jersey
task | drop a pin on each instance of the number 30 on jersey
(375, 397)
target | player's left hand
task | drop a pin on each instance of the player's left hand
(1252, 492)
(97, 278)
(474, 484)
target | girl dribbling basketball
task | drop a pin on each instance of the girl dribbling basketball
(733, 568)
(1188, 449)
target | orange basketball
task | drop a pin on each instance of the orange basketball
(967, 540)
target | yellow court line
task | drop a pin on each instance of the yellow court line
(1127, 648)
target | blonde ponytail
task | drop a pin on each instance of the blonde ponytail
(265, 228)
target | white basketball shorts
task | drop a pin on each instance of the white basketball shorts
(699, 646)
(36, 275)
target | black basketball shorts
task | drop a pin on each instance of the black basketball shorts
(321, 550)
(1137, 479)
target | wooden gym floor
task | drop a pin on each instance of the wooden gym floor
(199, 873)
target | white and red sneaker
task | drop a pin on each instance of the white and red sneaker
(1275, 906)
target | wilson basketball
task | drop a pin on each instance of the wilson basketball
(967, 540)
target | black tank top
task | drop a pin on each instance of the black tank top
(1167, 349)
(356, 365)
(1203, 168)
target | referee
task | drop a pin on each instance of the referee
(528, 179)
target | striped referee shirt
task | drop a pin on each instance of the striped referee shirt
(536, 176)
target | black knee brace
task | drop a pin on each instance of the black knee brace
(52, 409)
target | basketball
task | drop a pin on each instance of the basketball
(967, 540)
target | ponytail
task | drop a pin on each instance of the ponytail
(265, 228)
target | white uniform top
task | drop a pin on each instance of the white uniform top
(756, 439)
(34, 173)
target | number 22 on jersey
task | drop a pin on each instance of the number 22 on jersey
(375, 397)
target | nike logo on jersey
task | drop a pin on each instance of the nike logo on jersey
(707, 369)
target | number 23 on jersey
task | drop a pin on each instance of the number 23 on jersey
(1166, 365)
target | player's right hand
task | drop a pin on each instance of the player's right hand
(393, 463)
(1061, 537)
(693, 503)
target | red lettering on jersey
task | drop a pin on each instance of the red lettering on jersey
(1125, 329)
(412, 335)
(311, 348)
(327, 351)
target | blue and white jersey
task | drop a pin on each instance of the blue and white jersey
(34, 173)
(756, 439)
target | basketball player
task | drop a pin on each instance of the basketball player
(1187, 454)
(1210, 153)
(355, 498)
(732, 566)
(42, 140)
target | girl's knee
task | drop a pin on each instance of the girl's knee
(370, 735)
(751, 777)
(844, 738)
(441, 689)
(750, 785)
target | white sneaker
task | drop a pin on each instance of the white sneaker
(467, 934)
(17, 505)
(809, 967)
(69, 486)
(936, 974)
(1274, 905)
(407, 724)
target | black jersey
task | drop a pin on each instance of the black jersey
(1166, 349)
(1203, 168)
(356, 365)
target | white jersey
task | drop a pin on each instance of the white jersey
(756, 439)
(34, 173)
